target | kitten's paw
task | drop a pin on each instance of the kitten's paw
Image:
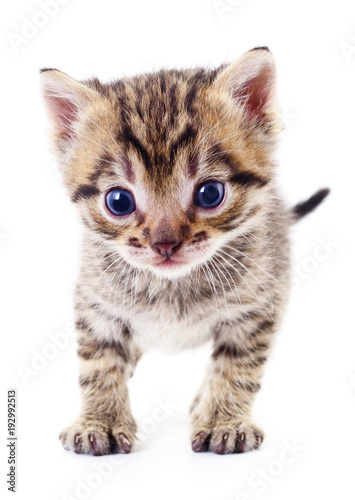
(91, 438)
(230, 437)
(96, 438)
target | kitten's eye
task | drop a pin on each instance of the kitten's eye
(120, 202)
(209, 194)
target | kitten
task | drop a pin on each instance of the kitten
(185, 240)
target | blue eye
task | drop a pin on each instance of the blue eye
(209, 194)
(120, 202)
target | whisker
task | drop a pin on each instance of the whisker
(252, 235)
(81, 277)
(257, 265)
(245, 281)
(252, 274)
(224, 293)
(235, 286)
(209, 281)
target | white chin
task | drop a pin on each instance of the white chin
(171, 271)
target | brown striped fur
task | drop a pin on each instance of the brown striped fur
(159, 136)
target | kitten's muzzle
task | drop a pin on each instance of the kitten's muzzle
(166, 248)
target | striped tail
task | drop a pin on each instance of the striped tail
(305, 207)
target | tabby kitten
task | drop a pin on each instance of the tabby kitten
(185, 238)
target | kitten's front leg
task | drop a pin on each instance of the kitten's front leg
(221, 411)
(106, 424)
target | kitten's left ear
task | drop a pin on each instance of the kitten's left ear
(64, 98)
(250, 81)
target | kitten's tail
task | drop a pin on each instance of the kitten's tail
(305, 207)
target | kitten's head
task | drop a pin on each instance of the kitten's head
(167, 167)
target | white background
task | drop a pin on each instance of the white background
(308, 395)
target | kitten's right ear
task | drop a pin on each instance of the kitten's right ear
(250, 82)
(64, 98)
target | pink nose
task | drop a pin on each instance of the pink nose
(167, 248)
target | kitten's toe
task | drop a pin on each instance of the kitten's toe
(121, 440)
(249, 438)
(98, 443)
(92, 438)
(200, 442)
(223, 441)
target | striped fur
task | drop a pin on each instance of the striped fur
(159, 136)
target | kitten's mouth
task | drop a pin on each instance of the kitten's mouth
(169, 263)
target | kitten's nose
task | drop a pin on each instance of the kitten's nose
(167, 248)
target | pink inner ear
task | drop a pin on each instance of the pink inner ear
(64, 112)
(255, 94)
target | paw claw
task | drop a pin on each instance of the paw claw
(199, 443)
(94, 447)
(259, 439)
(124, 443)
(222, 447)
(77, 444)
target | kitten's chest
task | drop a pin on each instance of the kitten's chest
(167, 316)
(168, 334)
(174, 324)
